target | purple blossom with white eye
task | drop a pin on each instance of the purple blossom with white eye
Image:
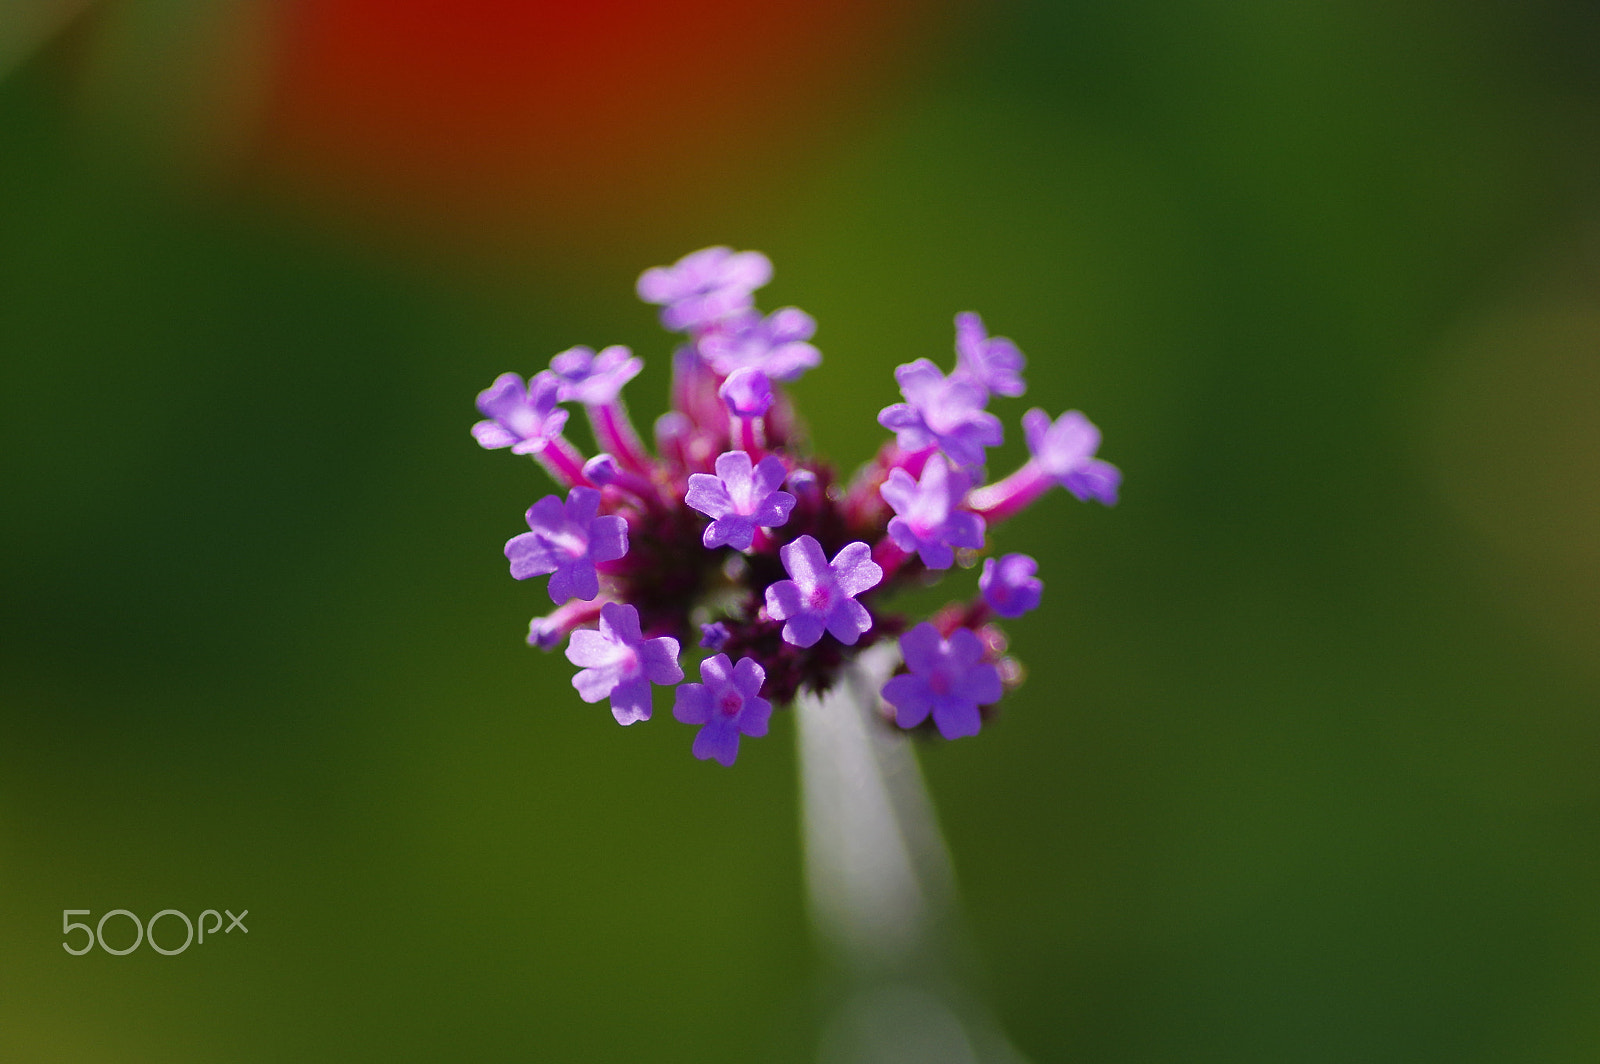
(927, 520)
(523, 417)
(993, 361)
(591, 379)
(739, 498)
(1064, 451)
(820, 594)
(948, 678)
(617, 661)
(747, 393)
(776, 344)
(704, 287)
(565, 542)
(943, 412)
(728, 704)
(1009, 586)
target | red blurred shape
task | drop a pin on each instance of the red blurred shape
(473, 108)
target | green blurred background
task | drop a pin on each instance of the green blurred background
(1306, 766)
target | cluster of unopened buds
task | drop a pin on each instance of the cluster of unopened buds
(734, 537)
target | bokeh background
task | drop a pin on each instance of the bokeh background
(1306, 769)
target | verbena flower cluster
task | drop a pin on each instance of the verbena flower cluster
(734, 537)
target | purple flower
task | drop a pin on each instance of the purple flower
(544, 633)
(728, 704)
(941, 411)
(927, 520)
(948, 678)
(566, 541)
(705, 286)
(522, 417)
(746, 393)
(1009, 586)
(714, 636)
(821, 595)
(591, 379)
(1064, 451)
(618, 661)
(776, 344)
(739, 498)
(992, 361)
(731, 471)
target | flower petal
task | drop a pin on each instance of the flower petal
(529, 556)
(921, 647)
(804, 629)
(1094, 479)
(658, 658)
(621, 621)
(768, 475)
(785, 600)
(774, 510)
(691, 703)
(909, 695)
(575, 580)
(582, 506)
(854, 568)
(608, 538)
(491, 434)
(748, 676)
(734, 530)
(956, 718)
(806, 563)
(717, 742)
(717, 671)
(590, 648)
(630, 701)
(848, 620)
(733, 469)
(708, 495)
(757, 713)
(980, 684)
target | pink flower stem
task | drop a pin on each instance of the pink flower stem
(547, 631)
(616, 434)
(912, 461)
(672, 438)
(641, 488)
(747, 435)
(862, 502)
(694, 390)
(563, 462)
(1005, 498)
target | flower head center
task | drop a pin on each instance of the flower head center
(523, 421)
(819, 598)
(730, 703)
(571, 543)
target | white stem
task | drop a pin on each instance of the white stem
(876, 867)
(880, 885)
